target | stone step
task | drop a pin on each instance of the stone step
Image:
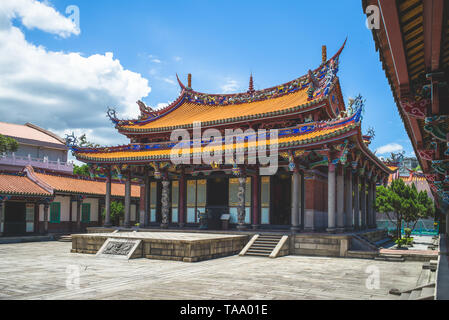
(269, 238)
(424, 277)
(391, 255)
(256, 254)
(415, 294)
(428, 292)
(266, 242)
(430, 266)
(255, 246)
(391, 259)
(432, 276)
(404, 296)
(260, 251)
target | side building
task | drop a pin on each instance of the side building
(38, 147)
(40, 202)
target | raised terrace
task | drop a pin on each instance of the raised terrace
(187, 247)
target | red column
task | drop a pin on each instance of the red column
(182, 195)
(256, 200)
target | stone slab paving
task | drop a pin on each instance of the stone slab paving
(41, 271)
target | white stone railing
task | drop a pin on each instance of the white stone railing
(13, 160)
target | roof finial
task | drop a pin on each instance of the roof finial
(189, 80)
(251, 84)
(324, 54)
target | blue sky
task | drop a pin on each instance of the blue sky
(220, 43)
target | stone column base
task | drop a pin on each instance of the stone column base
(295, 229)
(164, 225)
(241, 227)
(255, 226)
(181, 225)
(331, 230)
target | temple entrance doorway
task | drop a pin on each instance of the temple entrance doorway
(217, 200)
(281, 199)
(15, 222)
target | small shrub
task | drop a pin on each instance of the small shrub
(407, 232)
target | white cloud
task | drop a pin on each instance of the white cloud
(156, 60)
(389, 148)
(35, 14)
(177, 59)
(60, 90)
(230, 86)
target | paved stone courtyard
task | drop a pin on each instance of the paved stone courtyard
(40, 270)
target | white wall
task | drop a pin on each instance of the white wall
(65, 209)
(93, 208)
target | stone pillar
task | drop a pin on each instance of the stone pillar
(349, 224)
(46, 206)
(1, 216)
(370, 221)
(165, 203)
(256, 200)
(447, 224)
(241, 207)
(78, 214)
(302, 208)
(296, 180)
(144, 221)
(331, 223)
(363, 203)
(127, 222)
(374, 202)
(107, 201)
(356, 211)
(340, 199)
(182, 200)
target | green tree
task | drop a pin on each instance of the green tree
(82, 170)
(8, 144)
(404, 203)
(117, 212)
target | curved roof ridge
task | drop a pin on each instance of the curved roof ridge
(246, 93)
(321, 80)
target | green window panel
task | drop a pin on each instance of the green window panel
(55, 212)
(85, 213)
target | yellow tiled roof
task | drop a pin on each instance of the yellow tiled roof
(304, 138)
(189, 112)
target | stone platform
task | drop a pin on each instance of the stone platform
(187, 247)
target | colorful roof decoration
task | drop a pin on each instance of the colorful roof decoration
(295, 96)
(300, 136)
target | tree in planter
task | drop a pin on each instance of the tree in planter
(117, 212)
(406, 204)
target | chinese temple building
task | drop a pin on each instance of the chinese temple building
(412, 38)
(325, 175)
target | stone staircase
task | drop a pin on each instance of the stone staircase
(425, 286)
(364, 242)
(65, 238)
(262, 246)
(390, 257)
